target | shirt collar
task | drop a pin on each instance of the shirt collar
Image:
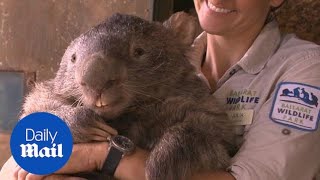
(262, 49)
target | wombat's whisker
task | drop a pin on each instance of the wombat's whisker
(144, 94)
(133, 70)
(151, 70)
(72, 96)
(138, 86)
(80, 101)
(137, 102)
(70, 36)
(159, 55)
(186, 91)
(130, 84)
(76, 102)
(157, 67)
(73, 104)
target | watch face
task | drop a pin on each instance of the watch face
(123, 143)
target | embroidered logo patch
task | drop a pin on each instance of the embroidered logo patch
(296, 105)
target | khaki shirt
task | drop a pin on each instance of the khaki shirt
(272, 95)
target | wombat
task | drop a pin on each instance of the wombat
(133, 75)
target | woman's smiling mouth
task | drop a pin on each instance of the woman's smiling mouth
(214, 8)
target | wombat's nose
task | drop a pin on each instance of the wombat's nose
(107, 85)
(100, 72)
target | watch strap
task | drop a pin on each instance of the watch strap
(112, 161)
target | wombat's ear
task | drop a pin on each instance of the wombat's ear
(185, 26)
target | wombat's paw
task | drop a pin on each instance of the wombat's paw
(170, 159)
(95, 131)
(86, 126)
(183, 151)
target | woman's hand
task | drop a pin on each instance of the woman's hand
(91, 157)
(132, 167)
(85, 158)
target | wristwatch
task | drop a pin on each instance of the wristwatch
(119, 146)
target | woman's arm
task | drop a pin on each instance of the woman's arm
(219, 175)
(85, 158)
(130, 167)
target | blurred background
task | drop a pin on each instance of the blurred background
(35, 33)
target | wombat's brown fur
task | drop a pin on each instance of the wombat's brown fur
(133, 75)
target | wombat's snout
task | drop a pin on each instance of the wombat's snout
(101, 72)
(100, 76)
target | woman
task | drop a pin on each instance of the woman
(254, 71)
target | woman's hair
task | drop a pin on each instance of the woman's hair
(273, 12)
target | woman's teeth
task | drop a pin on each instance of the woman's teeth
(216, 9)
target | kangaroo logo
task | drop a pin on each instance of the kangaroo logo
(301, 94)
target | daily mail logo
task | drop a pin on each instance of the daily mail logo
(33, 150)
(41, 143)
(296, 105)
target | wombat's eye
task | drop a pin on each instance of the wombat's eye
(73, 58)
(138, 52)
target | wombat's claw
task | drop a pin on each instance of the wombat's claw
(96, 134)
(105, 129)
